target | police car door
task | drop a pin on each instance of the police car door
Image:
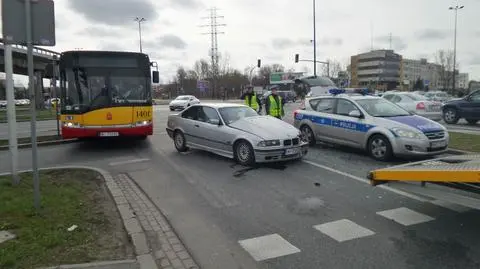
(349, 125)
(322, 120)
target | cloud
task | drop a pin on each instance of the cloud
(397, 43)
(283, 43)
(431, 34)
(114, 12)
(475, 60)
(100, 31)
(167, 41)
(112, 47)
(191, 4)
(324, 41)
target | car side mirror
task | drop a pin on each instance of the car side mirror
(355, 114)
(214, 121)
(155, 77)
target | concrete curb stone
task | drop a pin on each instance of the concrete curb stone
(42, 144)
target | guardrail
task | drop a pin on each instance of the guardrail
(36, 51)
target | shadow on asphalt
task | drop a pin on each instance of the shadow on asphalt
(113, 145)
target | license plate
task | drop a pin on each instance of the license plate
(292, 151)
(108, 134)
(438, 144)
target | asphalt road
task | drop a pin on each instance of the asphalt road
(316, 213)
(49, 127)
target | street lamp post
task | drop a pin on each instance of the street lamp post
(455, 8)
(140, 20)
(314, 41)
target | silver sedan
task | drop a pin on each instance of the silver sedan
(236, 131)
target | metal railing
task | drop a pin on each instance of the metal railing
(39, 52)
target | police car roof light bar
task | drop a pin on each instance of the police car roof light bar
(362, 91)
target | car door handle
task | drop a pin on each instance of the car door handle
(196, 125)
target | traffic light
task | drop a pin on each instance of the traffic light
(296, 58)
(259, 63)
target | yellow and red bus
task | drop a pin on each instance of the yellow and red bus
(106, 94)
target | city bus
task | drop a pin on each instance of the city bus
(106, 94)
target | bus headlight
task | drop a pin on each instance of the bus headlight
(71, 124)
(143, 123)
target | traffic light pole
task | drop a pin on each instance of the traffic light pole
(320, 62)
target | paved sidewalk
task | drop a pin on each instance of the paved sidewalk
(156, 244)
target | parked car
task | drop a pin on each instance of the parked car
(467, 108)
(182, 102)
(3, 103)
(235, 131)
(416, 104)
(438, 96)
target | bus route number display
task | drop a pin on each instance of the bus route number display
(144, 114)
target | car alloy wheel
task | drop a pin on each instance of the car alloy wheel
(307, 133)
(244, 153)
(450, 116)
(179, 141)
(380, 148)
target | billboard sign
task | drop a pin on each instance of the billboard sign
(284, 77)
(202, 85)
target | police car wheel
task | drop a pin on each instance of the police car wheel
(243, 153)
(179, 141)
(380, 148)
(308, 134)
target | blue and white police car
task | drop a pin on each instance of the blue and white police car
(364, 121)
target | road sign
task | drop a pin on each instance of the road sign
(202, 85)
(14, 22)
(284, 77)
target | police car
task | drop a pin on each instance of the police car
(364, 121)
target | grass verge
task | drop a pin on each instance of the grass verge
(26, 140)
(23, 114)
(69, 197)
(461, 141)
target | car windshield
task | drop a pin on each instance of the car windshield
(233, 114)
(182, 98)
(416, 97)
(382, 108)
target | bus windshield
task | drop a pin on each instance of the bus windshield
(90, 88)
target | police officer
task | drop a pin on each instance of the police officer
(274, 104)
(251, 99)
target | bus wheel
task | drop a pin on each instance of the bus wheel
(143, 137)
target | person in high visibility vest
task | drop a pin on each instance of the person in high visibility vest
(274, 104)
(251, 99)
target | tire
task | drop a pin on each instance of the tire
(179, 141)
(143, 137)
(379, 148)
(450, 116)
(243, 153)
(308, 133)
(472, 122)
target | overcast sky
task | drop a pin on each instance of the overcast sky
(271, 30)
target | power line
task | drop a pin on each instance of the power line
(213, 25)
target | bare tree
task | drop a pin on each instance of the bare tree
(445, 60)
(332, 68)
(277, 68)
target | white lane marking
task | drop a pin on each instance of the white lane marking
(128, 162)
(364, 180)
(268, 247)
(448, 205)
(343, 230)
(405, 216)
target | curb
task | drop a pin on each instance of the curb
(130, 222)
(42, 144)
(123, 264)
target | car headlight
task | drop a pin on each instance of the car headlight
(405, 133)
(269, 143)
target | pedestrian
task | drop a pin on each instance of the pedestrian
(251, 99)
(274, 104)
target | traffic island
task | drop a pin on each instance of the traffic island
(462, 143)
(77, 223)
(26, 142)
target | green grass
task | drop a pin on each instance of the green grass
(69, 197)
(26, 140)
(23, 114)
(461, 141)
